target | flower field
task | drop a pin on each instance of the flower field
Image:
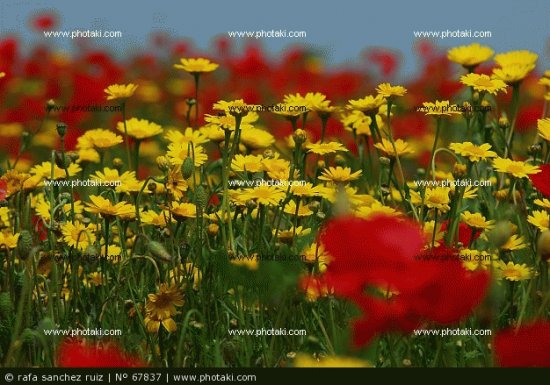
(231, 209)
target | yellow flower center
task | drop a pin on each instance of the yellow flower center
(484, 82)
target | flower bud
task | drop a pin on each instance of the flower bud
(118, 163)
(213, 229)
(61, 129)
(339, 160)
(163, 163)
(459, 169)
(152, 187)
(201, 197)
(543, 245)
(467, 110)
(268, 153)
(24, 244)
(50, 104)
(62, 160)
(158, 251)
(503, 122)
(299, 136)
(187, 168)
(384, 161)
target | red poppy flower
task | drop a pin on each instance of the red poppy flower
(526, 347)
(3, 189)
(378, 264)
(80, 354)
(542, 180)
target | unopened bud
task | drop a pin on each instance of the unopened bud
(384, 161)
(503, 122)
(158, 251)
(24, 244)
(118, 163)
(61, 129)
(163, 163)
(299, 136)
(459, 169)
(543, 245)
(339, 160)
(187, 168)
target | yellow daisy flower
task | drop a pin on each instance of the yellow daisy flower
(120, 91)
(265, 195)
(402, 147)
(178, 152)
(521, 57)
(515, 168)
(543, 128)
(196, 65)
(471, 55)
(386, 90)
(139, 128)
(483, 83)
(473, 152)
(325, 148)
(513, 272)
(339, 174)
(368, 105)
(161, 307)
(182, 211)
(248, 163)
(106, 209)
(476, 220)
(77, 235)
(539, 219)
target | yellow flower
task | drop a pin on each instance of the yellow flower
(42, 207)
(111, 177)
(8, 240)
(436, 198)
(303, 210)
(140, 128)
(476, 220)
(161, 219)
(196, 65)
(176, 184)
(539, 219)
(2, 74)
(289, 110)
(440, 108)
(184, 210)
(213, 131)
(256, 138)
(44, 170)
(316, 254)
(522, 57)
(235, 108)
(304, 190)
(77, 235)
(428, 231)
(248, 163)
(288, 235)
(99, 139)
(471, 55)
(250, 262)
(358, 122)
(368, 105)
(517, 169)
(339, 174)
(402, 147)
(512, 271)
(228, 122)
(120, 91)
(306, 361)
(542, 203)
(315, 101)
(543, 127)
(177, 152)
(515, 242)
(513, 73)
(106, 209)
(88, 155)
(188, 136)
(374, 209)
(95, 279)
(473, 260)
(325, 148)
(472, 152)
(265, 195)
(483, 83)
(276, 165)
(161, 307)
(386, 90)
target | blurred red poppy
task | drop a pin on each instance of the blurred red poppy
(526, 347)
(542, 180)
(74, 353)
(379, 264)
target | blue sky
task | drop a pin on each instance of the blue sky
(342, 29)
